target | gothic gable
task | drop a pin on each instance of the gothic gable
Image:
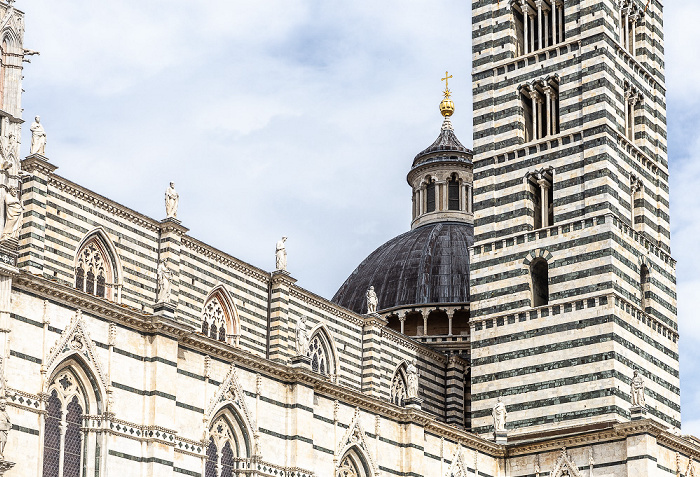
(355, 437)
(75, 341)
(565, 466)
(457, 468)
(230, 393)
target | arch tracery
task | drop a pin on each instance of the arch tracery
(97, 269)
(322, 352)
(220, 320)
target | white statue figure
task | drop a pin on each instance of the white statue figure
(5, 426)
(412, 379)
(164, 276)
(13, 214)
(372, 300)
(637, 390)
(38, 145)
(302, 337)
(281, 255)
(172, 199)
(499, 416)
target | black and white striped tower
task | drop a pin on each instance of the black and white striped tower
(572, 281)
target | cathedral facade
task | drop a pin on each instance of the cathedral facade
(525, 325)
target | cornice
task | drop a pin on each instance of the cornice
(225, 259)
(101, 202)
(314, 300)
(412, 345)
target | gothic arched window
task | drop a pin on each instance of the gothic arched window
(322, 358)
(94, 273)
(398, 387)
(65, 409)
(223, 448)
(352, 465)
(219, 317)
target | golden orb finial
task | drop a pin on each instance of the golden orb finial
(447, 107)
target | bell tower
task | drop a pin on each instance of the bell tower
(572, 282)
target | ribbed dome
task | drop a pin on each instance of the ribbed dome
(429, 264)
(446, 142)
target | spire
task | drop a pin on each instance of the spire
(447, 107)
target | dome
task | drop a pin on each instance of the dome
(429, 264)
(445, 147)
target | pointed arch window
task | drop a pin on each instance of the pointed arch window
(94, 270)
(321, 353)
(223, 448)
(398, 391)
(63, 440)
(352, 465)
(219, 317)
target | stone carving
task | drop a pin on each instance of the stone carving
(9, 147)
(302, 340)
(565, 466)
(499, 414)
(5, 426)
(281, 255)
(38, 145)
(13, 214)
(372, 300)
(172, 200)
(412, 379)
(164, 283)
(637, 390)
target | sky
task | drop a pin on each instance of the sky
(297, 118)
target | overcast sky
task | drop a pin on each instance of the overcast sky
(297, 118)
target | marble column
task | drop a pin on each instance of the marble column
(544, 188)
(554, 22)
(538, 3)
(526, 26)
(548, 109)
(533, 97)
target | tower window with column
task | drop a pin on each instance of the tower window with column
(453, 193)
(630, 19)
(541, 192)
(538, 24)
(540, 105)
(632, 98)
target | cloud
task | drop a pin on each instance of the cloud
(295, 117)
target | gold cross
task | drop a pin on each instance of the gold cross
(447, 77)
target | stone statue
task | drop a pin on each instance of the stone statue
(499, 416)
(302, 337)
(164, 279)
(5, 426)
(172, 200)
(38, 145)
(281, 255)
(372, 300)
(412, 379)
(637, 390)
(13, 214)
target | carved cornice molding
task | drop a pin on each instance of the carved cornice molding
(224, 258)
(318, 302)
(614, 431)
(101, 202)
(412, 345)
